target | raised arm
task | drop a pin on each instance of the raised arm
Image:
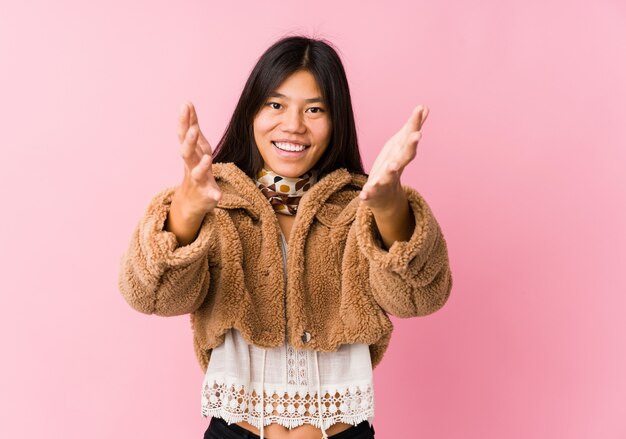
(165, 270)
(409, 268)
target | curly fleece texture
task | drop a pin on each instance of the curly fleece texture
(342, 284)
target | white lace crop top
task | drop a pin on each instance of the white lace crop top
(290, 384)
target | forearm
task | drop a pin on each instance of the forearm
(413, 276)
(157, 274)
(396, 222)
(182, 224)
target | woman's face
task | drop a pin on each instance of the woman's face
(292, 129)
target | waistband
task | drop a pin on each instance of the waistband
(234, 431)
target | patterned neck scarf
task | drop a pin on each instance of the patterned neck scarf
(284, 193)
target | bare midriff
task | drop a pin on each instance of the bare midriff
(306, 431)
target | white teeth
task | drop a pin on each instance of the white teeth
(289, 146)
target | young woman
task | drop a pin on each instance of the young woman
(288, 257)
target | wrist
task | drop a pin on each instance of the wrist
(184, 209)
(393, 205)
(395, 223)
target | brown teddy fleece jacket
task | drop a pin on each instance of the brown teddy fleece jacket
(342, 284)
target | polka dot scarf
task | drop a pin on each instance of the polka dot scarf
(284, 193)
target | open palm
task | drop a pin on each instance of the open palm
(383, 185)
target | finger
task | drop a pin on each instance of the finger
(409, 152)
(378, 188)
(189, 148)
(388, 176)
(199, 148)
(203, 174)
(424, 115)
(204, 144)
(193, 117)
(368, 191)
(393, 166)
(403, 153)
(415, 119)
(183, 122)
(202, 171)
(419, 117)
(415, 137)
(363, 195)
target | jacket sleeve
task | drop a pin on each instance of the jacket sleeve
(156, 276)
(413, 277)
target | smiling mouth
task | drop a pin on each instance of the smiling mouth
(292, 147)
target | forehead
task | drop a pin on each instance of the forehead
(299, 85)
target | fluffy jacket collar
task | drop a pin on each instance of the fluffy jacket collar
(240, 192)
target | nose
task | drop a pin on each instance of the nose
(292, 121)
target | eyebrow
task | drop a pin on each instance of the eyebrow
(308, 101)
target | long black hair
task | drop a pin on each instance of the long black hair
(283, 58)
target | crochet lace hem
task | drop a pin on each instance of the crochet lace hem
(232, 403)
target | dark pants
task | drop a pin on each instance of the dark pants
(220, 429)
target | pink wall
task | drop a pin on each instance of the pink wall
(522, 162)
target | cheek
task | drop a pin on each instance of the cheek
(323, 131)
(263, 125)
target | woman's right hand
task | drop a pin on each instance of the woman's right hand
(199, 193)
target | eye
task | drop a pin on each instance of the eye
(315, 110)
(274, 105)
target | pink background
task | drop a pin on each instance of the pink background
(522, 161)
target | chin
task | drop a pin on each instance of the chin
(290, 170)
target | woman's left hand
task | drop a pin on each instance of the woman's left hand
(383, 190)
